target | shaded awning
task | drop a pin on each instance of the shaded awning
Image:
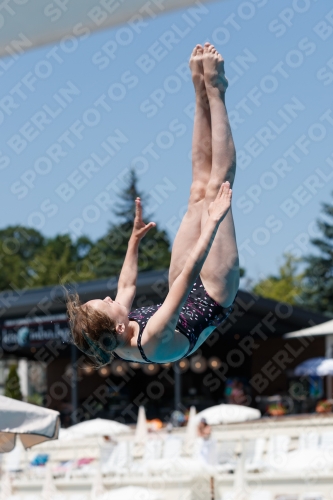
(317, 330)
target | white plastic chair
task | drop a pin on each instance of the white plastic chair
(312, 496)
(12, 461)
(261, 495)
(326, 442)
(78, 496)
(230, 495)
(226, 456)
(172, 447)
(153, 449)
(287, 497)
(118, 461)
(278, 447)
(254, 456)
(308, 440)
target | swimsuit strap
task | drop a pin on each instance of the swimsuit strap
(140, 347)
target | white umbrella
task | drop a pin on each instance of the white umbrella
(29, 24)
(130, 493)
(320, 367)
(94, 427)
(323, 329)
(32, 423)
(228, 414)
(191, 432)
(141, 434)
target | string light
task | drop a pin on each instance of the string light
(134, 365)
(184, 365)
(104, 371)
(198, 364)
(150, 369)
(87, 369)
(214, 363)
(118, 368)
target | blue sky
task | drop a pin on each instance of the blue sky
(76, 116)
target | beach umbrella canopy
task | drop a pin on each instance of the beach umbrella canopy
(131, 492)
(320, 367)
(32, 423)
(323, 329)
(27, 24)
(94, 427)
(228, 414)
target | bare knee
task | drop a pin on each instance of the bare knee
(211, 190)
(197, 192)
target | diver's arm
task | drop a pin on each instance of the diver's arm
(159, 339)
(129, 271)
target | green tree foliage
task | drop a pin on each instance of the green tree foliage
(62, 260)
(28, 259)
(286, 287)
(18, 250)
(318, 275)
(12, 384)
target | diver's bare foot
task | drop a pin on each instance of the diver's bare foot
(213, 65)
(196, 67)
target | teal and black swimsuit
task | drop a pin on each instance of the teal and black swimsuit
(200, 312)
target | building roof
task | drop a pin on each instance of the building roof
(152, 287)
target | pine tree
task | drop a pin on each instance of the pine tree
(12, 384)
(318, 289)
(108, 254)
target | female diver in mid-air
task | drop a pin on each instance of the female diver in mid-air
(204, 267)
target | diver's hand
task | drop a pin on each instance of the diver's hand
(218, 209)
(140, 229)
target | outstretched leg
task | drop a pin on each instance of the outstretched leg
(190, 228)
(220, 272)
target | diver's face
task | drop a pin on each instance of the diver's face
(114, 310)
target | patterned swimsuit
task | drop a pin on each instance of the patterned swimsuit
(200, 312)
